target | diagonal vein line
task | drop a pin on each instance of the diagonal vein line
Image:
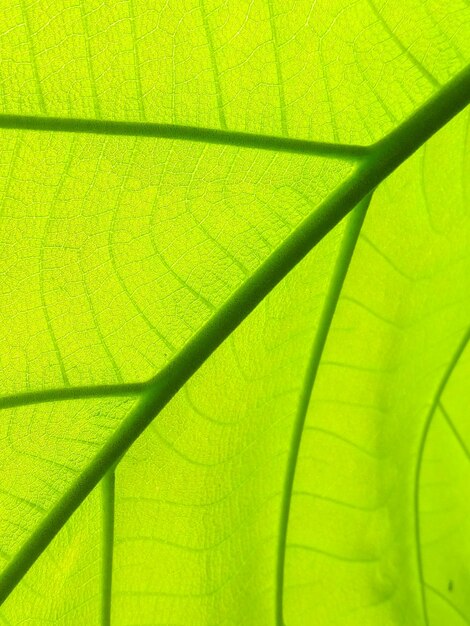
(448, 602)
(184, 133)
(454, 430)
(42, 265)
(70, 393)
(388, 154)
(429, 418)
(214, 65)
(404, 49)
(336, 284)
(33, 57)
(277, 63)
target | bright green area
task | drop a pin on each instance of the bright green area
(234, 316)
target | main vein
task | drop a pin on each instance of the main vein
(184, 133)
(427, 425)
(384, 157)
(107, 495)
(338, 276)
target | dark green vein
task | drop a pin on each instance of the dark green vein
(454, 430)
(70, 393)
(184, 133)
(388, 154)
(429, 418)
(448, 602)
(108, 495)
(343, 260)
(452, 98)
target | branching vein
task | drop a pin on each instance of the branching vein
(336, 284)
(375, 165)
(430, 416)
(454, 430)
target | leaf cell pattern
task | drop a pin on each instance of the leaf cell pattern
(234, 317)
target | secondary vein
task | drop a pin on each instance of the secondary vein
(70, 393)
(427, 425)
(448, 602)
(108, 497)
(343, 260)
(184, 133)
(454, 430)
(385, 156)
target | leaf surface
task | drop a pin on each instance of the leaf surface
(235, 284)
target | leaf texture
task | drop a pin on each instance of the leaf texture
(234, 318)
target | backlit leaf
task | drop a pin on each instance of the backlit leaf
(235, 313)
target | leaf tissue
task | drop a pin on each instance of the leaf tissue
(235, 313)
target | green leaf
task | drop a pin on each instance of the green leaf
(235, 313)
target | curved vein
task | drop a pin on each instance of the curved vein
(448, 602)
(331, 555)
(405, 50)
(336, 284)
(42, 268)
(429, 418)
(387, 155)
